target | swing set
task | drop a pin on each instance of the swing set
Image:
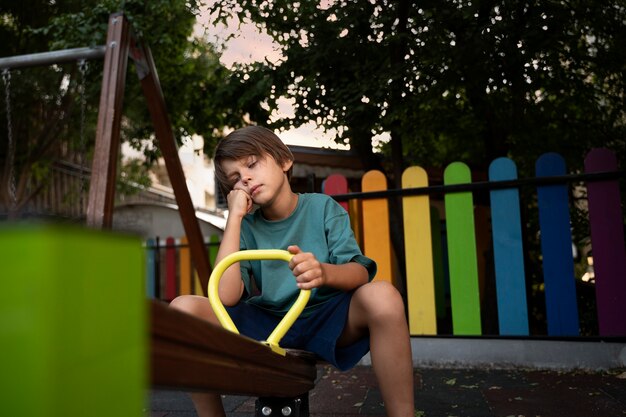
(121, 43)
(71, 167)
(185, 352)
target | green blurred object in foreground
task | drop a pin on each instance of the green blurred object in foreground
(73, 331)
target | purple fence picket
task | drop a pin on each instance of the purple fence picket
(607, 240)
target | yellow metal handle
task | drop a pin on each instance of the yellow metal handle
(254, 255)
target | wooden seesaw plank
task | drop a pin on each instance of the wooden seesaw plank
(192, 354)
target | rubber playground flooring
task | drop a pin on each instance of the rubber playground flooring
(445, 393)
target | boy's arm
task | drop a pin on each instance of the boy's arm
(231, 285)
(311, 273)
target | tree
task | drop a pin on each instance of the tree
(331, 77)
(45, 103)
(450, 80)
(531, 76)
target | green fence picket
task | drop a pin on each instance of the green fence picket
(463, 266)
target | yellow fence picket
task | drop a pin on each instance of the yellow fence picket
(419, 256)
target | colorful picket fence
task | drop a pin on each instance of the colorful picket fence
(169, 267)
(442, 254)
(426, 255)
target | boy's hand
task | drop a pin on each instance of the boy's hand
(306, 268)
(239, 202)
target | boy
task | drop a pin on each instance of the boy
(348, 313)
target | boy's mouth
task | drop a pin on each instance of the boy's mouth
(254, 190)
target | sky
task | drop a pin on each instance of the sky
(249, 45)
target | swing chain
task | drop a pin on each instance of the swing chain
(82, 67)
(12, 189)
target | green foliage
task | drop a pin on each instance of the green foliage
(451, 79)
(133, 178)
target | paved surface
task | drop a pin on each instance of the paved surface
(445, 393)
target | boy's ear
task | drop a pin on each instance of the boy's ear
(287, 165)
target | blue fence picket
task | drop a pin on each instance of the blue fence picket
(556, 245)
(508, 252)
(150, 269)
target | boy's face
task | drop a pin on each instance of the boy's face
(261, 177)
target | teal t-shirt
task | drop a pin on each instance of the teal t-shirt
(318, 225)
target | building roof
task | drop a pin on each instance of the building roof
(333, 158)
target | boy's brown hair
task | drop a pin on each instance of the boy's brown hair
(249, 141)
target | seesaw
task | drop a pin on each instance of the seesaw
(193, 354)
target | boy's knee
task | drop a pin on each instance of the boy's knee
(384, 290)
(192, 304)
(383, 299)
(182, 302)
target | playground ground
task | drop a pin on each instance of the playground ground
(445, 392)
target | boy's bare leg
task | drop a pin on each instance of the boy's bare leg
(207, 405)
(378, 307)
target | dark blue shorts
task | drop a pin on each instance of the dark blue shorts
(317, 333)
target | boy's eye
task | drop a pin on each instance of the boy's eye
(233, 180)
